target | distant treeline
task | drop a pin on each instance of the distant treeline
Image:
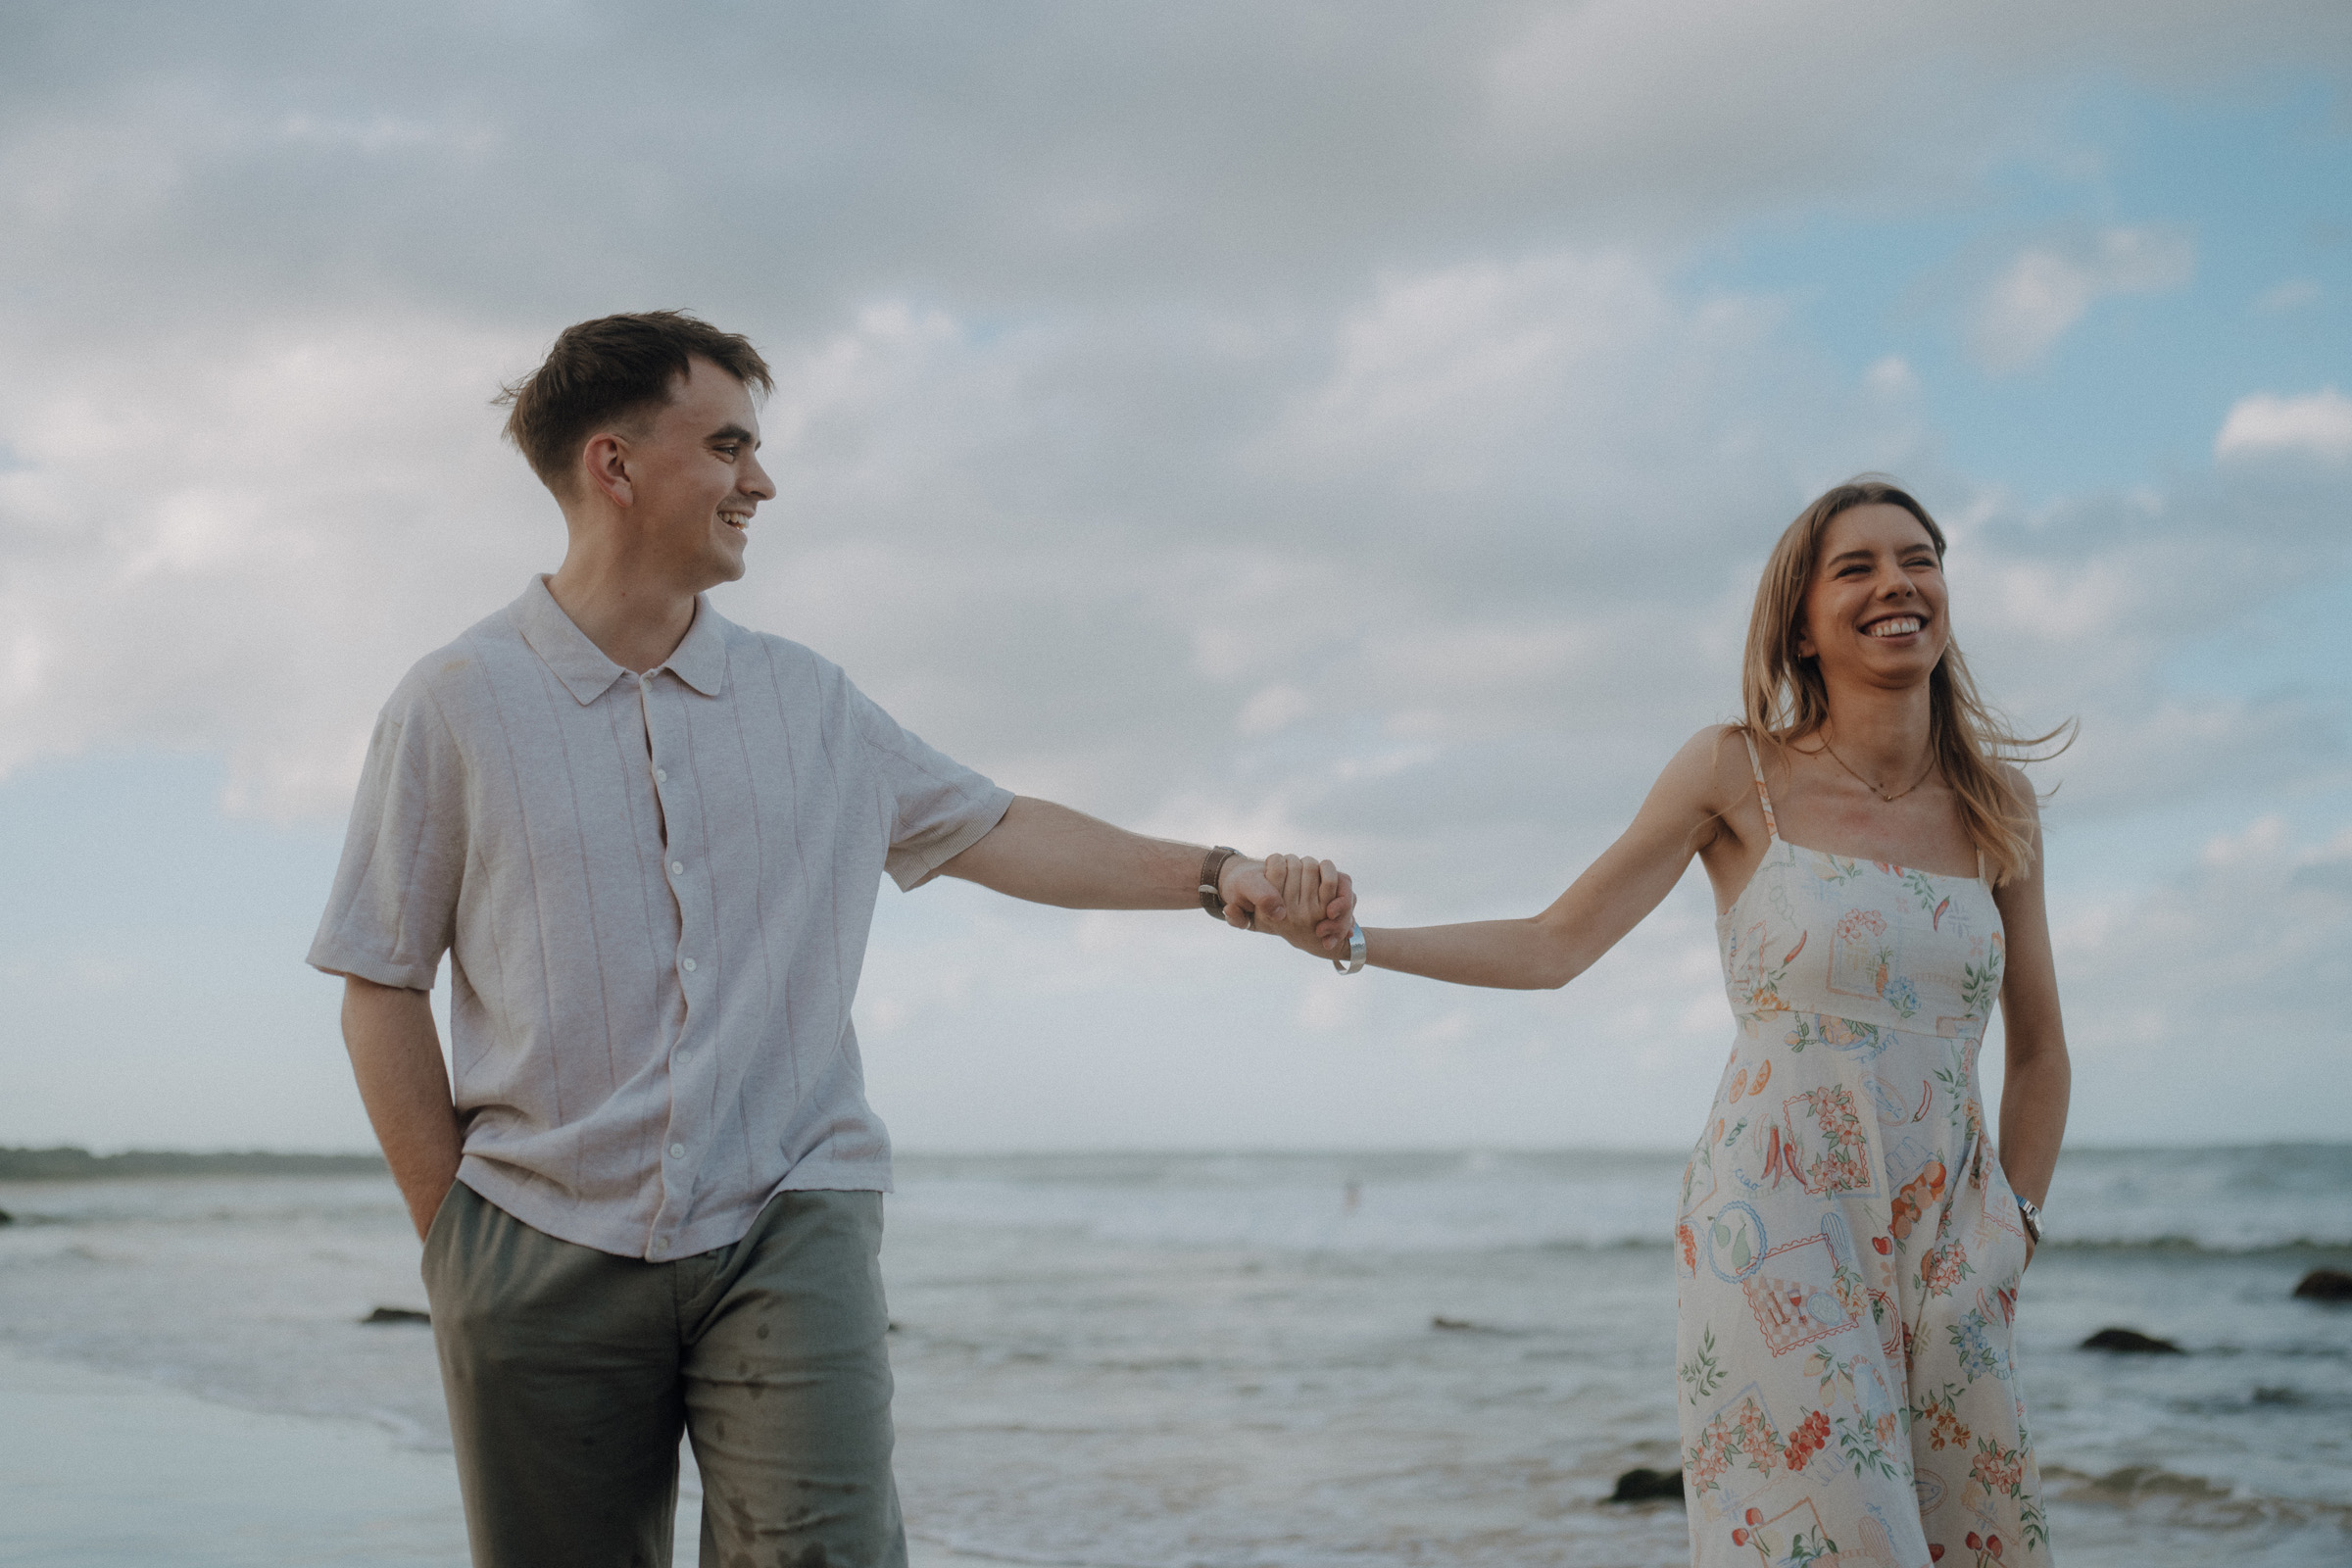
(79, 1164)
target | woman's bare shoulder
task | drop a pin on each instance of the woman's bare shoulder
(1720, 751)
(2021, 789)
(1709, 777)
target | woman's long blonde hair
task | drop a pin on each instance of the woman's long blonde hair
(1784, 699)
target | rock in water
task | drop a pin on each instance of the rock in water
(6, 1218)
(1645, 1484)
(397, 1314)
(2319, 1285)
(2131, 1342)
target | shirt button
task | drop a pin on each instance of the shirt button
(687, 966)
(660, 775)
(677, 868)
(658, 1246)
(677, 1151)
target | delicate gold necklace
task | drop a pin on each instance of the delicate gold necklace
(1879, 790)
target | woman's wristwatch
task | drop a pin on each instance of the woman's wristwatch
(2031, 1212)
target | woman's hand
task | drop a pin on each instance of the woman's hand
(1310, 889)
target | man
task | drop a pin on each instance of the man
(651, 842)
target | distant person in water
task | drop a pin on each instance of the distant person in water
(1850, 1241)
(650, 842)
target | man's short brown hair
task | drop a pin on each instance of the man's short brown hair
(610, 372)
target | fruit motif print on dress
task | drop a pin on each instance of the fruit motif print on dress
(1846, 1253)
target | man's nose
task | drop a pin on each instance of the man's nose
(755, 482)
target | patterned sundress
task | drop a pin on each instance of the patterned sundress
(1848, 1250)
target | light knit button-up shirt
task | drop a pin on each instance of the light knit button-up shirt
(656, 891)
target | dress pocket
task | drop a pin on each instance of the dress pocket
(2001, 1210)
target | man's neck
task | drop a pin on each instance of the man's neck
(634, 622)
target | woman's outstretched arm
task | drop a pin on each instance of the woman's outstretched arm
(1683, 813)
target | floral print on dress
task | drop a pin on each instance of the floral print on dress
(1847, 1251)
(1740, 1434)
(1842, 1163)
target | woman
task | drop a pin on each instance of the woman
(1849, 1244)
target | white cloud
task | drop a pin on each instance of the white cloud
(2316, 424)
(2292, 295)
(1653, 110)
(1892, 377)
(2048, 288)
(2220, 978)
(240, 550)
(1276, 708)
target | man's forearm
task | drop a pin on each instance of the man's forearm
(396, 1056)
(1049, 853)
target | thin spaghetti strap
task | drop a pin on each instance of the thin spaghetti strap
(1755, 765)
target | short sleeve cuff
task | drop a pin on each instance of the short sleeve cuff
(911, 867)
(331, 958)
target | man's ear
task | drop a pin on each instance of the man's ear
(606, 462)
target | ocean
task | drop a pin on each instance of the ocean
(1233, 1360)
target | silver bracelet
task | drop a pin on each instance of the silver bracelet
(1355, 952)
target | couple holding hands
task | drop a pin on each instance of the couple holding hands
(648, 1185)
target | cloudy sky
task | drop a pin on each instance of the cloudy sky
(1353, 428)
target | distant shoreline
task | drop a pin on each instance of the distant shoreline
(68, 1165)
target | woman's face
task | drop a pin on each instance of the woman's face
(1876, 609)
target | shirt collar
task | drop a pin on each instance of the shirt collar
(700, 659)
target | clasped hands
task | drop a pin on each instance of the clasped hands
(1310, 903)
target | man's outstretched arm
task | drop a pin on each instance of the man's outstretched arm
(1049, 853)
(395, 1055)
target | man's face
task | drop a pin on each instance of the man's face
(695, 479)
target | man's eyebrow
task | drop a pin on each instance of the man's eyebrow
(732, 432)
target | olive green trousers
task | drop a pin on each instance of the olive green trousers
(570, 1374)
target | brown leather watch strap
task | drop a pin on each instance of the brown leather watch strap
(1212, 872)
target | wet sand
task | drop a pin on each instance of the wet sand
(104, 1471)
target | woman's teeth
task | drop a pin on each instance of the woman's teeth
(1900, 626)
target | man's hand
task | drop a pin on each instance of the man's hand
(1310, 903)
(1049, 853)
